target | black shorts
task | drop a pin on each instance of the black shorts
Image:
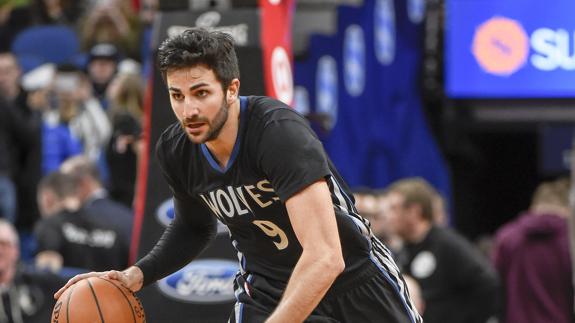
(369, 298)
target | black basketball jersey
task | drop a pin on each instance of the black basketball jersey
(276, 154)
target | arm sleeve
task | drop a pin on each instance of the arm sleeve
(185, 238)
(291, 156)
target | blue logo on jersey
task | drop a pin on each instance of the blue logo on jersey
(384, 31)
(416, 10)
(354, 60)
(202, 281)
(165, 212)
(326, 90)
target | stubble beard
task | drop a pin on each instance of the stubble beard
(215, 127)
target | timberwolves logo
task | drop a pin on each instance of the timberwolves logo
(384, 31)
(416, 10)
(500, 46)
(326, 90)
(354, 60)
(202, 281)
(165, 214)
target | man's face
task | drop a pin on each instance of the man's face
(9, 73)
(397, 214)
(9, 252)
(198, 101)
(101, 70)
(48, 202)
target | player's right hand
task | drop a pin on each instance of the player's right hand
(132, 278)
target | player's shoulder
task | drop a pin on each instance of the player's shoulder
(269, 110)
(171, 140)
(171, 133)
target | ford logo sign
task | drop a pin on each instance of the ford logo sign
(202, 281)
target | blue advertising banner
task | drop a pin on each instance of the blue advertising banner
(510, 49)
(364, 99)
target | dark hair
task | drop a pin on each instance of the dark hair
(416, 191)
(78, 167)
(198, 46)
(63, 185)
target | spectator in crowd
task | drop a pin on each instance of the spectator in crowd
(77, 116)
(111, 22)
(10, 74)
(95, 201)
(19, 132)
(101, 68)
(61, 106)
(25, 295)
(53, 12)
(381, 226)
(457, 283)
(372, 205)
(126, 96)
(66, 236)
(25, 152)
(13, 19)
(532, 256)
(7, 187)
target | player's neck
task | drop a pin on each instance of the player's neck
(222, 147)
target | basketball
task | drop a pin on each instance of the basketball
(98, 300)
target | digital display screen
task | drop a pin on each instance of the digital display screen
(510, 49)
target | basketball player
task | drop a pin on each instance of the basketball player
(255, 164)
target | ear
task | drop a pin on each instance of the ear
(233, 90)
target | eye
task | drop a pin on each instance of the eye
(177, 96)
(202, 93)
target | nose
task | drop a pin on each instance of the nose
(190, 109)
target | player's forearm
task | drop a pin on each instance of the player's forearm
(311, 279)
(179, 245)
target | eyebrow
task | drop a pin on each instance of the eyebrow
(193, 87)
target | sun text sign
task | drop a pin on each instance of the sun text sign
(510, 49)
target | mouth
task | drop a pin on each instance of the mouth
(194, 128)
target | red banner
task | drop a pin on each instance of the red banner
(276, 42)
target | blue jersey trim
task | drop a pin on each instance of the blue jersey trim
(235, 151)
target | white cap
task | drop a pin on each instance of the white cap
(39, 78)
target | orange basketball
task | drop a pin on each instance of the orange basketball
(98, 300)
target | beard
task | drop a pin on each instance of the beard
(214, 127)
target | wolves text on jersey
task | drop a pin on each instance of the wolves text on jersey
(231, 201)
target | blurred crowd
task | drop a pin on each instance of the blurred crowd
(70, 133)
(72, 81)
(521, 274)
